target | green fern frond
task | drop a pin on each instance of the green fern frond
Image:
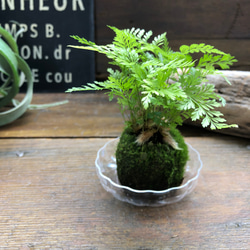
(202, 47)
(153, 82)
(160, 40)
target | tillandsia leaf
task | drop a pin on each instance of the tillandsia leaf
(16, 70)
(9, 39)
(17, 33)
(40, 106)
(14, 113)
(9, 65)
(150, 78)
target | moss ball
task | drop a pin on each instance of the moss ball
(154, 165)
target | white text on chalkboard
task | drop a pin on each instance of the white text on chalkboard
(74, 5)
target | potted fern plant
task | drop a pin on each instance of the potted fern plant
(157, 89)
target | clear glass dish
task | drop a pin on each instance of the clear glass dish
(106, 170)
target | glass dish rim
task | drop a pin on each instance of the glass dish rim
(147, 190)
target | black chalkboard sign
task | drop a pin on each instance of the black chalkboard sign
(47, 26)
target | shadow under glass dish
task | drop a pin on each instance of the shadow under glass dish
(107, 173)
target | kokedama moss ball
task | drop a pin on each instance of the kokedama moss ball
(154, 165)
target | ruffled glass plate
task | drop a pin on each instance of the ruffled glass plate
(106, 170)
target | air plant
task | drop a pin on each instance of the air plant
(15, 71)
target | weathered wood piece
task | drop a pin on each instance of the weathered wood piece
(51, 198)
(237, 96)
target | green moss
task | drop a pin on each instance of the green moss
(154, 165)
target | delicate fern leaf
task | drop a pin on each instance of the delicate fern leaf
(186, 104)
(196, 48)
(159, 40)
(74, 89)
(146, 100)
(139, 34)
(184, 49)
(209, 60)
(83, 47)
(147, 36)
(83, 40)
(123, 38)
(206, 121)
(173, 92)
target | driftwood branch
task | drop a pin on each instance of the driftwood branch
(237, 95)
